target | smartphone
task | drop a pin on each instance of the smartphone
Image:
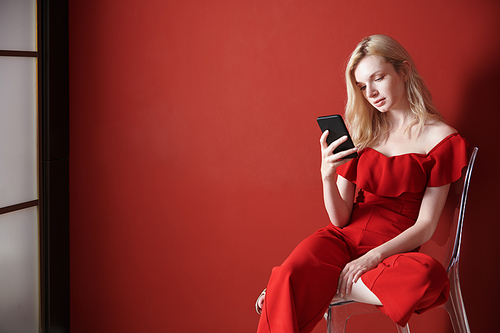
(335, 124)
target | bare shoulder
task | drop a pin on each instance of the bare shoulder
(434, 132)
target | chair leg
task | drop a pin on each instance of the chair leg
(328, 317)
(405, 329)
(455, 305)
(336, 320)
(337, 316)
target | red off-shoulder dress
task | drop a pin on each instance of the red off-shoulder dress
(390, 193)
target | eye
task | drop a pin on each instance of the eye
(378, 79)
(363, 88)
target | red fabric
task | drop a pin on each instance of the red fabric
(413, 172)
(300, 290)
(408, 283)
(391, 190)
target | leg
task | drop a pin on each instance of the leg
(408, 283)
(300, 290)
(360, 293)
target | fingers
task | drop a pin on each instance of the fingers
(357, 276)
(334, 144)
(328, 149)
(349, 275)
(322, 140)
(343, 281)
(345, 153)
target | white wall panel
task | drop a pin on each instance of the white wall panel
(19, 230)
(18, 25)
(19, 272)
(18, 130)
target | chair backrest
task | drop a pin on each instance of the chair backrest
(445, 243)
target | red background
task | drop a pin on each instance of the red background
(194, 162)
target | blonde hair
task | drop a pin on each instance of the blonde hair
(366, 124)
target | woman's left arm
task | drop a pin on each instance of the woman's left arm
(430, 211)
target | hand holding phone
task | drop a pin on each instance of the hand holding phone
(337, 129)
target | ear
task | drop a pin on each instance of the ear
(406, 70)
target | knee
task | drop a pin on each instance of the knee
(434, 274)
(287, 271)
(438, 276)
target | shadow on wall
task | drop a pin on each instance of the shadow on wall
(480, 125)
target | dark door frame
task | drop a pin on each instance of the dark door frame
(53, 108)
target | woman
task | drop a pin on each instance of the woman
(407, 158)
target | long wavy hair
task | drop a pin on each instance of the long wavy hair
(366, 124)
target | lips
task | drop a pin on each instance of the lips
(379, 102)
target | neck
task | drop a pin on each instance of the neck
(398, 119)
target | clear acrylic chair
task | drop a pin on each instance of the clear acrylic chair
(444, 246)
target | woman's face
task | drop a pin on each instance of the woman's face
(380, 84)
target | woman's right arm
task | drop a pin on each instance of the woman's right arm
(338, 192)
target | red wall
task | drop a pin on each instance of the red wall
(194, 150)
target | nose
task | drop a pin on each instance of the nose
(371, 91)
